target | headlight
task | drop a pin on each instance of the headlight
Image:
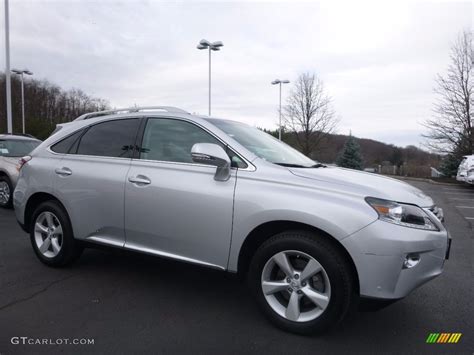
(401, 214)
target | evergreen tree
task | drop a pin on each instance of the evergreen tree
(449, 165)
(350, 157)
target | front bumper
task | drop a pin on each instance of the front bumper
(379, 251)
(467, 179)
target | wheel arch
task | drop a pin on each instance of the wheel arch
(268, 229)
(33, 202)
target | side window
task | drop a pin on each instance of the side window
(64, 146)
(110, 139)
(172, 140)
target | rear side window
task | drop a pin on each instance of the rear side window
(110, 139)
(65, 146)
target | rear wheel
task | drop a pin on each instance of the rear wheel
(301, 282)
(51, 235)
(6, 192)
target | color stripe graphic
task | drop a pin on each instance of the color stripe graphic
(443, 338)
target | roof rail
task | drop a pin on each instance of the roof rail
(130, 110)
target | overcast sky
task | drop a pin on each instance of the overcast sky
(377, 59)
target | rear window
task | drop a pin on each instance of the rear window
(65, 146)
(17, 148)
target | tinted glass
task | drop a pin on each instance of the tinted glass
(17, 148)
(172, 140)
(65, 145)
(110, 139)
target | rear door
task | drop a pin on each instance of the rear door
(173, 206)
(90, 179)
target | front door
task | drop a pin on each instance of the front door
(173, 206)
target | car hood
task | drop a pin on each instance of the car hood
(366, 184)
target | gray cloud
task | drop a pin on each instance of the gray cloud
(378, 60)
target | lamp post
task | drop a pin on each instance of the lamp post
(21, 73)
(7, 70)
(279, 82)
(214, 46)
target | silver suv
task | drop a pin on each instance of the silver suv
(310, 239)
(12, 148)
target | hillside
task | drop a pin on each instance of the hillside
(409, 160)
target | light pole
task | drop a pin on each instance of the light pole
(275, 82)
(21, 73)
(7, 70)
(214, 46)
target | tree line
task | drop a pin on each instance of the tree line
(46, 105)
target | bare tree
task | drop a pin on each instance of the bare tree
(451, 131)
(309, 113)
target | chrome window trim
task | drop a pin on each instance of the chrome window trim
(180, 163)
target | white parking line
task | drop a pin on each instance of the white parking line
(464, 206)
(462, 199)
(455, 189)
(469, 217)
(457, 193)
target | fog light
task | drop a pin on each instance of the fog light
(411, 260)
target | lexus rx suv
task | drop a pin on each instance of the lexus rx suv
(310, 239)
(12, 148)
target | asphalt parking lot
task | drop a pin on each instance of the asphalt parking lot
(131, 303)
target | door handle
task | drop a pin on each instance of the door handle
(139, 180)
(63, 171)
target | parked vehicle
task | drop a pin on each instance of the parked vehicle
(12, 148)
(310, 239)
(466, 170)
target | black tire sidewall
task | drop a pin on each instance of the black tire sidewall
(70, 248)
(9, 204)
(333, 263)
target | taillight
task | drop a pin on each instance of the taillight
(23, 161)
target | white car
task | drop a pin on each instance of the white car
(466, 170)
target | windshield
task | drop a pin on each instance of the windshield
(17, 148)
(263, 145)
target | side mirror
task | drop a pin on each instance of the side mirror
(212, 154)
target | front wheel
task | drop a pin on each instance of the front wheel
(52, 237)
(302, 283)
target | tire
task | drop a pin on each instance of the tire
(62, 249)
(333, 283)
(6, 192)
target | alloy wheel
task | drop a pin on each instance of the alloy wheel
(48, 234)
(4, 193)
(296, 286)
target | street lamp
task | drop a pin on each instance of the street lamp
(21, 73)
(279, 82)
(214, 46)
(7, 70)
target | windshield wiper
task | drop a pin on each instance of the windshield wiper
(289, 165)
